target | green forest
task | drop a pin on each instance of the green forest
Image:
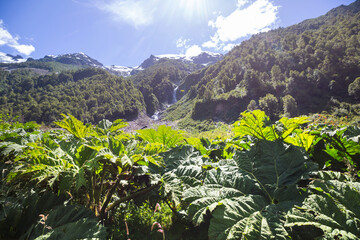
(306, 68)
(263, 144)
(90, 94)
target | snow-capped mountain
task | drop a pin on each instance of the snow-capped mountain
(120, 70)
(81, 59)
(204, 59)
(72, 58)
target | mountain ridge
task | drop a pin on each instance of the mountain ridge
(309, 67)
(79, 58)
(204, 58)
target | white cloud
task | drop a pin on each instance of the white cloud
(228, 47)
(7, 59)
(189, 50)
(257, 16)
(8, 40)
(194, 50)
(213, 43)
(134, 12)
(182, 43)
(24, 49)
(241, 3)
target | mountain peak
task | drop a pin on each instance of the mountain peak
(79, 58)
(203, 58)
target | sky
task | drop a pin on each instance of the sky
(126, 32)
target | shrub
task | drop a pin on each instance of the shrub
(354, 88)
(270, 105)
(290, 106)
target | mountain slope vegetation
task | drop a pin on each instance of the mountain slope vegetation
(305, 68)
(158, 81)
(90, 94)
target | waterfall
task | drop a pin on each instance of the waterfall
(157, 115)
(174, 100)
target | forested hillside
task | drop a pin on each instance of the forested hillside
(91, 94)
(306, 68)
(263, 144)
(158, 81)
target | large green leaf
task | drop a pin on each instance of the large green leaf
(180, 155)
(341, 147)
(20, 219)
(51, 163)
(73, 126)
(352, 133)
(289, 125)
(276, 167)
(21, 212)
(14, 142)
(218, 186)
(332, 207)
(172, 187)
(183, 168)
(248, 217)
(10, 148)
(162, 134)
(105, 127)
(255, 124)
(249, 198)
(302, 139)
(69, 222)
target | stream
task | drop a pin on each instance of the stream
(157, 114)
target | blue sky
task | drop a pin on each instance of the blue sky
(126, 32)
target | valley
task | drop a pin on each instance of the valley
(297, 70)
(259, 143)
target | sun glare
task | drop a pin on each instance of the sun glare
(193, 8)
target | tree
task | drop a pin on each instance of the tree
(65, 77)
(290, 106)
(270, 105)
(192, 92)
(252, 106)
(354, 88)
(207, 94)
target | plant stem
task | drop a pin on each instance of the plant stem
(134, 195)
(108, 197)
